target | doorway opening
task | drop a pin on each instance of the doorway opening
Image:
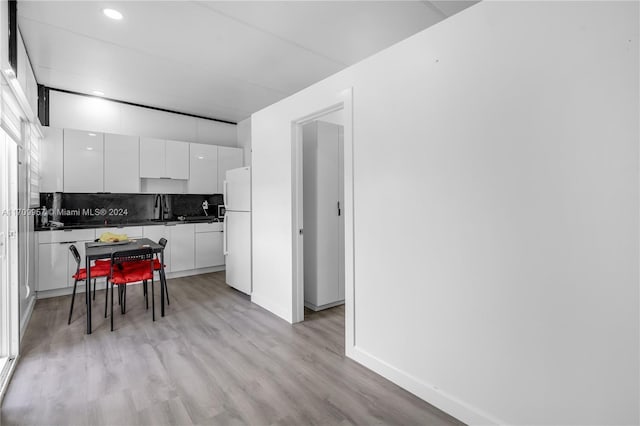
(322, 159)
(322, 203)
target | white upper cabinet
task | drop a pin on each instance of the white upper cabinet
(152, 155)
(164, 159)
(121, 164)
(203, 178)
(177, 160)
(51, 160)
(228, 158)
(83, 161)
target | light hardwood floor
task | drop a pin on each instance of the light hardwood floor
(215, 358)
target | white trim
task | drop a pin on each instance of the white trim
(323, 307)
(191, 272)
(426, 391)
(342, 101)
(5, 378)
(26, 318)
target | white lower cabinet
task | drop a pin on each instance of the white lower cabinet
(209, 249)
(56, 264)
(189, 246)
(53, 266)
(155, 233)
(183, 247)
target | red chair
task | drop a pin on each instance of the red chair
(157, 266)
(131, 266)
(98, 271)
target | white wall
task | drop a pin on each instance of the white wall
(90, 113)
(504, 288)
(244, 140)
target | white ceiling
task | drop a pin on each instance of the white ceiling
(223, 60)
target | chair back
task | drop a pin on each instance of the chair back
(76, 255)
(134, 255)
(128, 266)
(122, 256)
(163, 242)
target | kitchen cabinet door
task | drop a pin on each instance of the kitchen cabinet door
(203, 164)
(152, 158)
(228, 158)
(182, 247)
(83, 161)
(53, 266)
(209, 249)
(176, 160)
(121, 163)
(156, 232)
(51, 160)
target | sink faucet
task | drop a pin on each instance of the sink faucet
(158, 208)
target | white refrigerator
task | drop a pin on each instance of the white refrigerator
(237, 228)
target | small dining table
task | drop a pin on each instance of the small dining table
(98, 250)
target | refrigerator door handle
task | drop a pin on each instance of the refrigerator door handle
(224, 235)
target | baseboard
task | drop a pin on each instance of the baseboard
(6, 378)
(322, 307)
(430, 393)
(26, 318)
(191, 272)
(272, 307)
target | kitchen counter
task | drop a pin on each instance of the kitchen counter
(148, 222)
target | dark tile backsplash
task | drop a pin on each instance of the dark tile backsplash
(120, 209)
(191, 205)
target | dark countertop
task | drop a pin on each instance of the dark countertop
(148, 222)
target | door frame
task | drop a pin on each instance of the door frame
(341, 101)
(9, 289)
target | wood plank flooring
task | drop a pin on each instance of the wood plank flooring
(214, 359)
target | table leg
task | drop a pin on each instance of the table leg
(88, 293)
(162, 283)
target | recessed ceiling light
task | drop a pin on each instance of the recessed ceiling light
(92, 134)
(89, 148)
(112, 13)
(200, 157)
(98, 93)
